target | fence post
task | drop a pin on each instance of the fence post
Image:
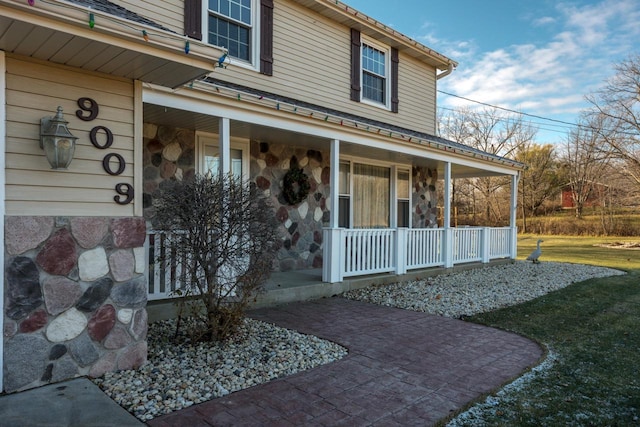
(333, 258)
(485, 242)
(401, 250)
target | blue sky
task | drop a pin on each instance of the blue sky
(536, 56)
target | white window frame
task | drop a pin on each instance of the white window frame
(394, 168)
(387, 68)
(204, 138)
(254, 57)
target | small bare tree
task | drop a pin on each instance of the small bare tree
(223, 232)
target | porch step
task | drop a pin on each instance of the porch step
(305, 285)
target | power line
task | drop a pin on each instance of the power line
(510, 110)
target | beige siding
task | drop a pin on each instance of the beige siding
(35, 90)
(168, 13)
(312, 56)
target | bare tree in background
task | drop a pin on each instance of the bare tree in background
(493, 131)
(540, 181)
(616, 111)
(585, 162)
(223, 232)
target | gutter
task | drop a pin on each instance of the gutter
(445, 73)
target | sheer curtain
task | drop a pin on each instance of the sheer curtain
(371, 196)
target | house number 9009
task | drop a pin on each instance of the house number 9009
(89, 111)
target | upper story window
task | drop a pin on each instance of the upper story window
(243, 27)
(230, 24)
(374, 72)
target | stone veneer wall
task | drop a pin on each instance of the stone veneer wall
(75, 298)
(301, 224)
(424, 198)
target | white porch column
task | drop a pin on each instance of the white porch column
(224, 135)
(448, 233)
(3, 133)
(514, 212)
(332, 256)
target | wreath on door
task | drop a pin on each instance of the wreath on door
(295, 186)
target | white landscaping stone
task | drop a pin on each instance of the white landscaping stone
(93, 264)
(67, 326)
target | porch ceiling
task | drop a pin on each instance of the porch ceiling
(114, 46)
(173, 117)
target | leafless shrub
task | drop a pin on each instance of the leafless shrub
(223, 232)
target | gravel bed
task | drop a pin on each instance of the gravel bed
(177, 376)
(465, 293)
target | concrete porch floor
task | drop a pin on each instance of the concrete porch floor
(305, 285)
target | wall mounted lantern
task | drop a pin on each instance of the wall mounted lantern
(56, 141)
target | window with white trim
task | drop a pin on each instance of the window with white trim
(231, 24)
(365, 199)
(375, 66)
(209, 156)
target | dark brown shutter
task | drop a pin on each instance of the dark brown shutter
(193, 19)
(356, 44)
(395, 60)
(266, 37)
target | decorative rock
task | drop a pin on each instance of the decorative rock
(167, 169)
(317, 174)
(93, 264)
(140, 325)
(303, 209)
(24, 357)
(315, 155)
(125, 315)
(288, 223)
(179, 174)
(263, 183)
(58, 256)
(317, 236)
(261, 164)
(34, 322)
(303, 162)
(46, 377)
(83, 351)
(102, 322)
(172, 152)
(60, 294)
(132, 294)
(317, 214)
(64, 368)
(105, 364)
(149, 130)
(95, 295)
(317, 261)
(117, 338)
(133, 357)
(67, 326)
(122, 265)
(140, 259)
(26, 232)
(166, 134)
(128, 232)
(282, 214)
(23, 293)
(286, 164)
(57, 351)
(10, 328)
(89, 232)
(325, 176)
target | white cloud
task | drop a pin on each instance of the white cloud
(551, 77)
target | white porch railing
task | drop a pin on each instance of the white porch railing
(357, 252)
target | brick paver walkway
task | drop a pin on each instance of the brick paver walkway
(403, 368)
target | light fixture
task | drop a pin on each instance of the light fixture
(56, 141)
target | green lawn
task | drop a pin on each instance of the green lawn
(592, 330)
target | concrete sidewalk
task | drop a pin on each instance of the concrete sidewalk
(77, 402)
(403, 368)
